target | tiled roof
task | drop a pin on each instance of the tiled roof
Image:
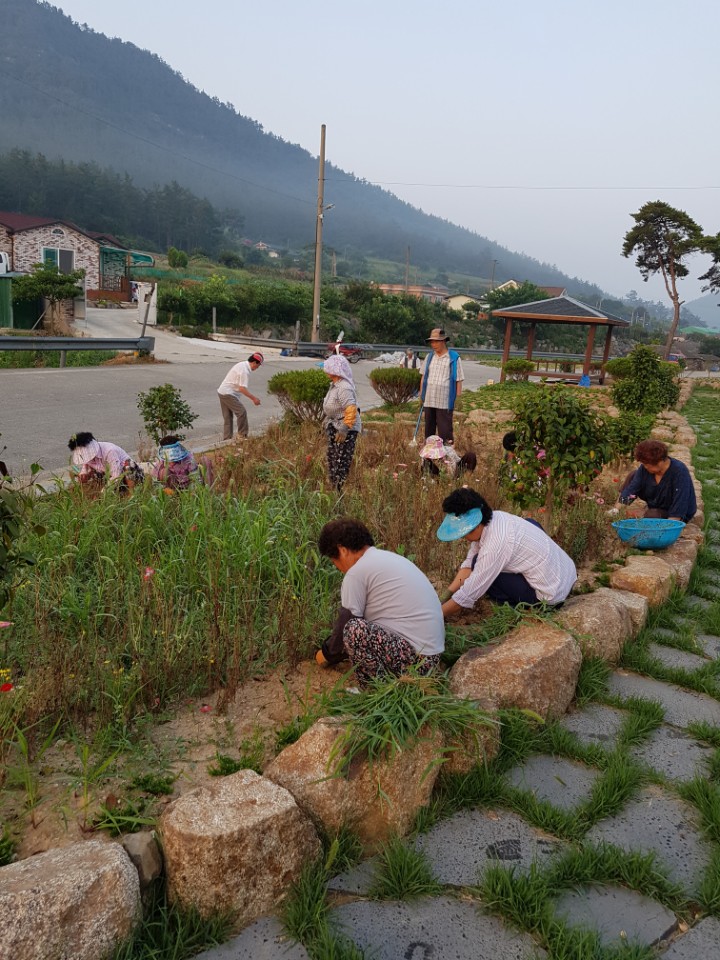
(24, 221)
(561, 307)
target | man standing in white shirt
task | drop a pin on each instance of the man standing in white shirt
(230, 390)
(440, 386)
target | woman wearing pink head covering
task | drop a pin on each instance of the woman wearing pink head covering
(342, 419)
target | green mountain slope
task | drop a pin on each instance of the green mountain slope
(66, 91)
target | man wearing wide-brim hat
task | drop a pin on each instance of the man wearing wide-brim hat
(440, 386)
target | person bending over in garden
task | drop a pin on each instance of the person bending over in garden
(97, 461)
(342, 419)
(510, 560)
(176, 468)
(436, 458)
(390, 617)
(231, 391)
(662, 482)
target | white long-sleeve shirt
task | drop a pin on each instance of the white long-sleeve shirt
(510, 544)
(238, 376)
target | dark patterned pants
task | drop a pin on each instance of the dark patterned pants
(375, 651)
(339, 456)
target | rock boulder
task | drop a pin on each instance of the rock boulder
(535, 667)
(374, 801)
(235, 845)
(74, 903)
(649, 576)
(600, 621)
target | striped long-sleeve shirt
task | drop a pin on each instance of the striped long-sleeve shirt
(510, 544)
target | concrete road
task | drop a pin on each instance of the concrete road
(40, 409)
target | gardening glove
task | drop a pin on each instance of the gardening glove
(350, 415)
(333, 649)
(341, 433)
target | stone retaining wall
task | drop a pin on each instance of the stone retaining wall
(239, 844)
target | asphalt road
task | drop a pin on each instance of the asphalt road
(41, 409)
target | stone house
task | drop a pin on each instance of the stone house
(29, 240)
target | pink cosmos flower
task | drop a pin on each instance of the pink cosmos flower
(540, 455)
(149, 572)
(205, 708)
(5, 623)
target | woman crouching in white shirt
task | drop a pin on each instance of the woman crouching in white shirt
(511, 560)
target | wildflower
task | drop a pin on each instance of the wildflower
(149, 572)
(193, 528)
(5, 687)
(5, 623)
(540, 455)
(205, 708)
(599, 500)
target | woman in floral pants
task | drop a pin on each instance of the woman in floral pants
(342, 419)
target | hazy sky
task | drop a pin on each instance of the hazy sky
(540, 125)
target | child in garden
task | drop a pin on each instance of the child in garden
(176, 467)
(436, 457)
(98, 461)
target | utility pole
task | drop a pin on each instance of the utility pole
(315, 335)
(492, 278)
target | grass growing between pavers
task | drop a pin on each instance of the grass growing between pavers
(526, 900)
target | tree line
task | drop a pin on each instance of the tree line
(102, 200)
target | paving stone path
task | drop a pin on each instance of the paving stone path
(656, 819)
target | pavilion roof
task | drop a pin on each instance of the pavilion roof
(561, 310)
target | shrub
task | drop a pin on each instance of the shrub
(560, 445)
(164, 411)
(623, 433)
(650, 386)
(300, 393)
(618, 368)
(518, 369)
(177, 259)
(395, 385)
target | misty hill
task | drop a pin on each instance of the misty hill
(707, 308)
(67, 91)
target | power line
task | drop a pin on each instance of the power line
(509, 186)
(152, 143)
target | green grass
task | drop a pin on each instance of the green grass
(168, 933)
(592, 681)
(27, 359)
(394, 713)
(402, 873)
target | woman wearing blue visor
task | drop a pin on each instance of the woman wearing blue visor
(510, 560)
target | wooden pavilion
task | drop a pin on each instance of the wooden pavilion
(560, 310)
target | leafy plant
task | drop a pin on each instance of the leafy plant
(623, 433)
(649, 387)
(164, 411)
(251, 757)
(123, 818)
(518, 369)
(154, 783)
(16, 507)
(395, 385)
(177, 259)
(300, 393)
(561, 445)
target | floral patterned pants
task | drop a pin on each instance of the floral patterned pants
(375, 651)
(339, 456)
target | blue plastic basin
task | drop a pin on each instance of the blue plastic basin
(648, 534)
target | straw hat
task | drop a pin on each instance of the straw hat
(437, 334)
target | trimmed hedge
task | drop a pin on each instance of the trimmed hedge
(395, 385)
(301, 393)
(518, 369)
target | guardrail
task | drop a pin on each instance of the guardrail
(394, 348)
(63, 344)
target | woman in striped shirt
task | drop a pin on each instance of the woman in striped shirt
(511, 560)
